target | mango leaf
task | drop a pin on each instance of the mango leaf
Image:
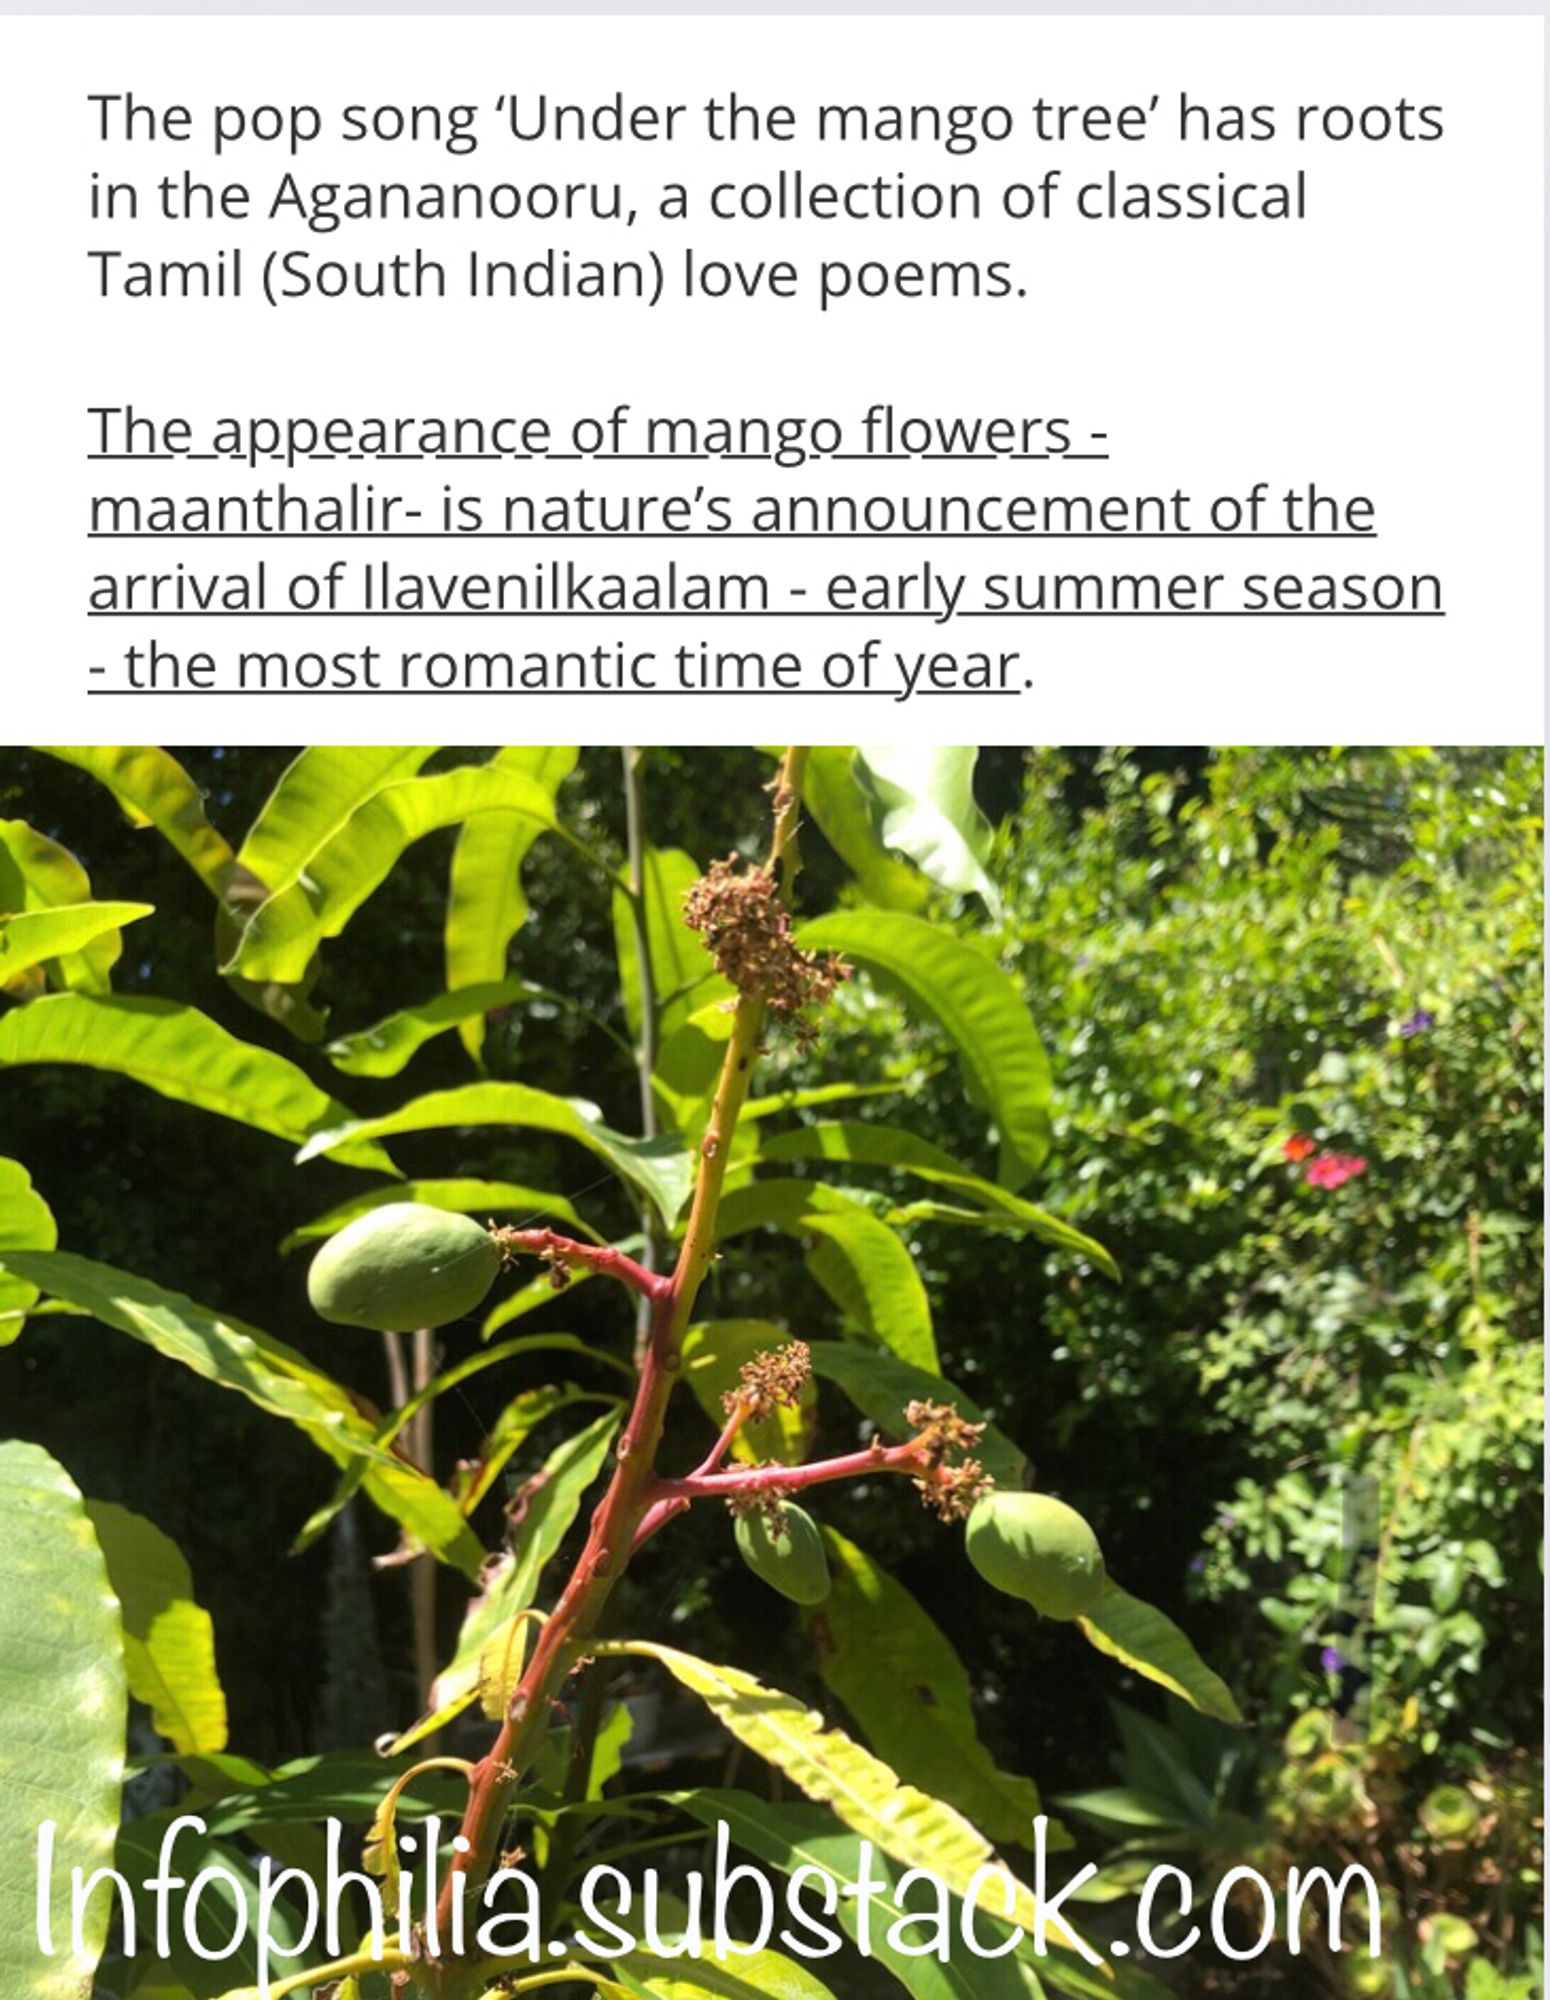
(316, 793)
(490, 1645)
(26, 1223)
(530, 1298)
(681, 967)
(459, 1196)
(751, 1975)
(269, 1374)
(858, 1260)
(35, 937)
(832, 792)
(36, 873)
(169, 1641)
(485, 903)
(663, 1169)
(1151, 1644)
(975, 1003)
(810, 1098)
(153, 789)
(522, 1415)
(790, 1837)
(356, 858)
(885, 1146)
(385, 1048)
(897, 1674)
(881, 1386)
(713, 1356)
(182, 1054)
(923, 798)
(836, 1771)
(63, 1697)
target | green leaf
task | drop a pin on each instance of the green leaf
(858, 1260)
(387, 1046)
(316, 793)
(836, 1771)
(976, 1004)
(169, 1641)
(521, 1416)
(713, 1357)
(1151, 1644)
(751, 1975)
(36, 873)
(885, 1146)
(817, 1094)
(832, 792)
(881, 1387)
(35, 937)
(351, 862)
(660, 1168)
(681, 967)
(153, 789)
(923, 798)
(790, 1837)
(269, 1374)
(26, 1223)
(898, 1675)
(485, 903)
(490, 1643)
(459, 1197)
(63, 1697)
(182, 1054)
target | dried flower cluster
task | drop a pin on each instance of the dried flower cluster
(941, 1434)
(769, 1500)
(771, 1381)
(747, 931)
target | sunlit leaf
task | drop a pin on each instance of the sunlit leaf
(857, 1144)
(975, 1003)
(833, 1769)
(1151, 1644)
(751, 1975)
(898, 1675)
(660, 1168)
(683, 974)
(62, 1694)
(153, 789)
(713, 1356)
(315, 794)
(182, 1054)
(923, 798)
(354, 860)
(459, 1197)
(36, 873)
(34, 937)
(881, 1386)
(169, 1641)
(858, 1260)
(26, 1223)
(832, 792)
(275, 1377)
(486, 906)
(387, 1046)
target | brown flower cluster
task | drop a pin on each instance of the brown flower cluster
(771, 1381)
(747, 931)
(941, 1436)
(770, 1501)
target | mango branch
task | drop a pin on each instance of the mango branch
(563, 1254)
(746, 926)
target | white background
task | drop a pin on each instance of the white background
(1391, 346)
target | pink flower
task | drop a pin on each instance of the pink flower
(1332, 1170)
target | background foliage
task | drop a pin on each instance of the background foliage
(1225, 952)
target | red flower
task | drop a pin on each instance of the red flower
(1332, 1170)
(1298, 1147)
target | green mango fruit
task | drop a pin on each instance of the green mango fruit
(1035, 1547)
(403, 1266)
(790, 1560)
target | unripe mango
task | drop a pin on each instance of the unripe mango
(1035, 1547)
(790, 1560)
(403, 1266)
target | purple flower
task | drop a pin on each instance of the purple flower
(1418, 1023)
(1332, 1660)
(1196, 1565)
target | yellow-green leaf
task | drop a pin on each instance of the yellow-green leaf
(35, 937)
(182, 1054)
(833, 1769)
(153, 789)
(275, 1377)
(486, 906)
(26, 1223)
(386, 1047)
(36, 873)
(169, 1641)
(63, 1698)
(898, 1675)
(1151, 1644)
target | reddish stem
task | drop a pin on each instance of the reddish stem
(602, 1258)
(908, 1458)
